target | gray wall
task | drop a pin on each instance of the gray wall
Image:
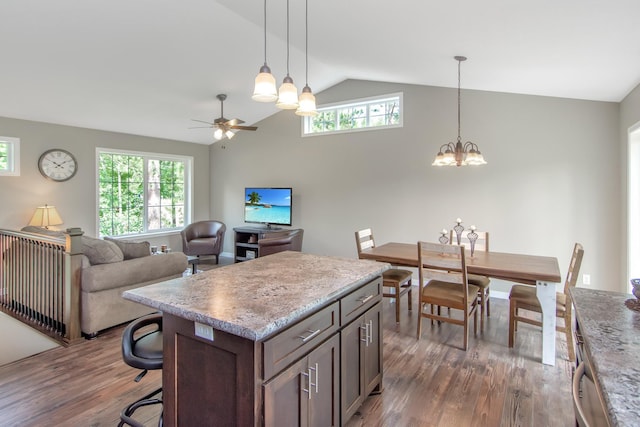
(76, 199)
(552, 176)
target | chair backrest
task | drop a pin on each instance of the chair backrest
(209, 228)
(482, 243)
(574, 267)
(364, 240)
(286, 240)
(445, 263)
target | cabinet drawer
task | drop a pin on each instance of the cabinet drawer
(293, 343)
(360, 300)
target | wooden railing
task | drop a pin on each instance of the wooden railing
(40, 281)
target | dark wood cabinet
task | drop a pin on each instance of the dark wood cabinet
(306, 393)
(361, 359)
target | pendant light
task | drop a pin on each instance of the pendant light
(265, 85)
(459, 154)
(307, 100)
(288, 93)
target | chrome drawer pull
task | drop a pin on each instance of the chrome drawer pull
(365, 299)
(311, 383)
(365, 328)
(308, 337)
(370, 332)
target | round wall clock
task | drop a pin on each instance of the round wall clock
(58, 165)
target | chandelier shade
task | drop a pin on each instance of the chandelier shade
(307, 100)
(288, 93)
(459, 154)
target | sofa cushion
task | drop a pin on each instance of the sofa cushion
(134, 271)
(101, 251)
(131, 249)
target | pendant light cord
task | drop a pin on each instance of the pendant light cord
(306, 42)
(265, 32)
(287, 37)
(459, 62)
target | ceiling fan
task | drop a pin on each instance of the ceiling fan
(222, 126)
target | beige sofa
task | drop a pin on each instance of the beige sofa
(110, 267)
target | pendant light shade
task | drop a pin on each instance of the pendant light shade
(288, 93)
(307, 100)
(265, 84)
(307, 103)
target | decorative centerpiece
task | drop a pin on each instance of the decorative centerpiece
(634, 304)
(472, 236)
(458, 228)
(443, 236)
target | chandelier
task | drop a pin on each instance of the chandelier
(459, 154)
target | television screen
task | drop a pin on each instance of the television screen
(267, 205)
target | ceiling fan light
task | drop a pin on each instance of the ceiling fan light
(218, 134)
(287, 95)
(265, 86)
(307, 103)
(229, 134)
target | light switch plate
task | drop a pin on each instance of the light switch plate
(204, 331)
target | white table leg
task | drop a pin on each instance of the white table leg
(546, 293)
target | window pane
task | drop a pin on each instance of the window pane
(130, 184)
(4, 156)
(363, 114)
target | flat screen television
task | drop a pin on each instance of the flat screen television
(270, 206)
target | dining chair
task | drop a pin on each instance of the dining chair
(482, 282)
(523, 297)
(587, 406)
(394, 278)
(444, 283)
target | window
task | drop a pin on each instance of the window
(9, 156)
(142, 192)
(356, 115)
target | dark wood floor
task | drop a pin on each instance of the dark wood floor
(430, 382)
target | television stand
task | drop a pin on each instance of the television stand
(246, 241)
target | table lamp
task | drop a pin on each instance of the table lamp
(45, 216)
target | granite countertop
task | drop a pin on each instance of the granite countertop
(256, 298)
(611, 334)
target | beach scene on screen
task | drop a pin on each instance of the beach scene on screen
(268, 205)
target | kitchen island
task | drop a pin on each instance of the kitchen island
(611, 334)
(287, 339)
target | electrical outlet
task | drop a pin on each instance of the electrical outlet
(586, 279)
(204, 331)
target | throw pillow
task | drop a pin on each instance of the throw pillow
(131, 249)
(101, 251)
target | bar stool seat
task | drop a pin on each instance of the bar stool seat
(142, 350)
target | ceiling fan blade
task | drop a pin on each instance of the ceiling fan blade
(244, 127)
(201, 127)
(202, 121)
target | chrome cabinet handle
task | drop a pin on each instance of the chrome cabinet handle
(309, 381)
(365, 299)
(308, 337)
(370, 332)
(365, 328)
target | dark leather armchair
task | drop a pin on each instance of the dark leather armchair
(203, 238)
(286, 240)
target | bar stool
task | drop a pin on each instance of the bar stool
(142, 351)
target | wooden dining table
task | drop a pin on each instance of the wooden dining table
(540, 271)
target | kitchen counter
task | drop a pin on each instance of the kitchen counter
(257, 298)
(611, 333)
(241, 343)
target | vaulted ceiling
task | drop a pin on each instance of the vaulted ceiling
(148, 67)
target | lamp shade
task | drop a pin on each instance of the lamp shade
(45, 216)
(288, 95)
(307, 103)
(265, 86)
